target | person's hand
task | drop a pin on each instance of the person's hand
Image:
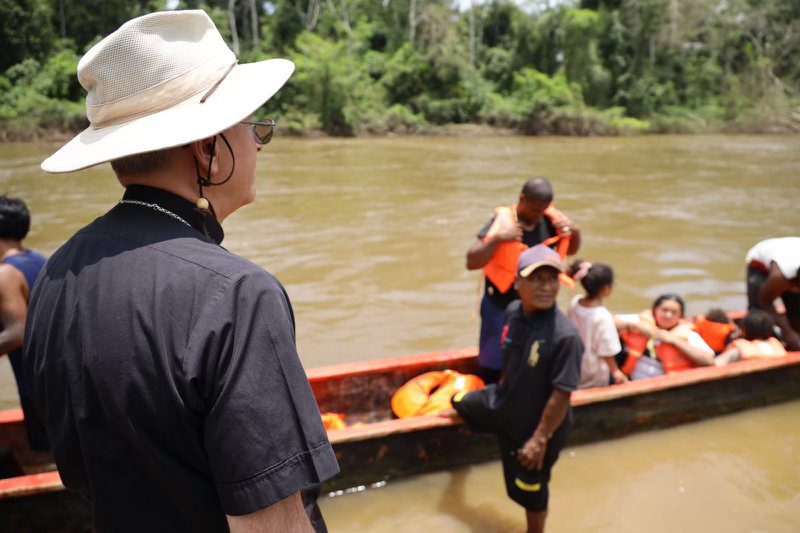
(448, 413)
(619, 376)
(792, 340)
(531, 455)
(645, 328)
(565, 227)
(510, 234)
(663, 336)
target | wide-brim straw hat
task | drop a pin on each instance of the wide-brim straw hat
(163, 80)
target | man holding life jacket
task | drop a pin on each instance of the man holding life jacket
(773, 271)
(529, 409)
(510, 231)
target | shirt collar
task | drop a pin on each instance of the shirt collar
(539, 315)
(205, 224)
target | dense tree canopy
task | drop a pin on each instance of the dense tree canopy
(374, 66)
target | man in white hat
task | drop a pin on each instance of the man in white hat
(164, 366)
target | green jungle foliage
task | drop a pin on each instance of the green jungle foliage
(408, 66)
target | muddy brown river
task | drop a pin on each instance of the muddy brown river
(369, 237)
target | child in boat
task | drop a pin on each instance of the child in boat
(717, 329)
(661, 341)
(758, 332)
(596, 325)
(529, 409)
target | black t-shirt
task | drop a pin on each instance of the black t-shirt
(166, 372)
(540, 233)
(540, 352)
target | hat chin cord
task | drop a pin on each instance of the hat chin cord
(203, 204)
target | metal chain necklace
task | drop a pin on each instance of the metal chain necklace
(157, 208)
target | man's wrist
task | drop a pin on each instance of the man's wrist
(540, 436)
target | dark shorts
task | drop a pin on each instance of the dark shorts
(756, 279)
(528, 488)
(490, 350)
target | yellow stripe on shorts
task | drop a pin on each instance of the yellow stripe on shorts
(527, 487)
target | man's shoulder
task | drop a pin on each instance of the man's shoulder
(182, 255)
(11, 278)
(564, 327)
(514, 308)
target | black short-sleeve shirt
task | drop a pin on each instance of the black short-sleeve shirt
(166, 372)
(541, 352)
(540, 233)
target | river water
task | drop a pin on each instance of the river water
(369, 237)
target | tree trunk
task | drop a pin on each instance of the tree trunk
(62, 17)
(412, 21)
(312, 15)
(472, 34)
(232, 22)
(254, 26)
(674, 14)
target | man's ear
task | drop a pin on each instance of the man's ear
(516, 284)
(206, 153)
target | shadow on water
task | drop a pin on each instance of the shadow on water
(479, 518)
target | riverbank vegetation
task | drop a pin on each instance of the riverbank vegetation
(416, 66)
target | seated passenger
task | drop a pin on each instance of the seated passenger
(758, 340)
(717, 329)
(661, 341)
(596, 325)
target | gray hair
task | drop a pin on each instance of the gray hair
(138, 164)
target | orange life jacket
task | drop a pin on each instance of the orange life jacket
(502, 269)
(673, 359)
(771, 347)
(715, 334)
(333, 421)
(431, 392)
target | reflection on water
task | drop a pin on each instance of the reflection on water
(369, 237)
(737, 473)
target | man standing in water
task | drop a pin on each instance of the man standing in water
(773, 271)
(512, 229)
(19, 269)
(163, 365)
(529, 409)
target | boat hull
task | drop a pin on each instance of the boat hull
(381, 449)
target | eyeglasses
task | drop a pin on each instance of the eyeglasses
(262, 130)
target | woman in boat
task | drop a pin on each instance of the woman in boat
(758, 340)
(596, 325)
(661, 341)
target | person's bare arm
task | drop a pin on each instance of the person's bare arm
(286, 515)
(532, 453)
(13, 308)
(773, 287)
(575, 235)
(480, 253)
(616, 373)
(730, 355)
(645, 328)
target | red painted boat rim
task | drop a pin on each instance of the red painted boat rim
(15, 487)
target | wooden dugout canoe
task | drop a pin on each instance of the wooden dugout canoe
(376, 448)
